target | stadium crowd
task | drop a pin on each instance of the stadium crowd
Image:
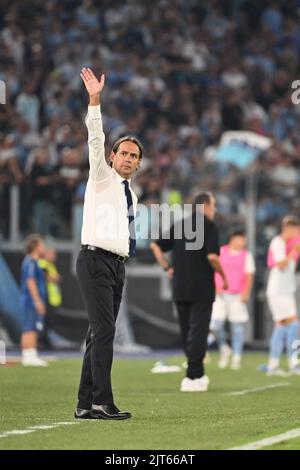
(179, 74)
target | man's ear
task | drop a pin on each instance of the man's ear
(111, 158)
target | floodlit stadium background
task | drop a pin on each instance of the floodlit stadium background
(179, 74)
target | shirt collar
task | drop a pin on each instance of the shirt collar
(120, 178)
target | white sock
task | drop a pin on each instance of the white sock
(29, 354)
(273, 363)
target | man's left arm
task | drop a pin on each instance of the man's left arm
(161, 246)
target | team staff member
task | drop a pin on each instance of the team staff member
(53, 278)
(192, 272)
(108, 239)
(54, 293)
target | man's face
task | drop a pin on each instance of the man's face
(238, 242)
(291, 232)
(126, 159)
(210, 209)
(50, 255)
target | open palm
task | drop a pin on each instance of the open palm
(92, 84)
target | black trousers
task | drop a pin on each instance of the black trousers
(194, 319)
(101, 280)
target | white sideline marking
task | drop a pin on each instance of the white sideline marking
(66, 423)
(49, 426)
(257, 389)
(31, 429)
(270, 440)
(16, 432)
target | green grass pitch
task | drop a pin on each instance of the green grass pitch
(163, 417)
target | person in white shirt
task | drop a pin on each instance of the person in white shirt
(108, 240)
(281, 290)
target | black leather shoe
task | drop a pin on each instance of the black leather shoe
(82, 414)
(108, 412)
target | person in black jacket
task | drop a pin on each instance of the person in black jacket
(192, 273)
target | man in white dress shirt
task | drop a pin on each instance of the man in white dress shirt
(108, 240)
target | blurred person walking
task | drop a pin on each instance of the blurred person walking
(33, 301)
(281, 289)
(231, 304)
(192, 272)
(108, 240)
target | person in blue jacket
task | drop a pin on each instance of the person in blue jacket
(33, 301)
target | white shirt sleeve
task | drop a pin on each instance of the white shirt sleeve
(99, 169)
(249, 263)
(278, 248)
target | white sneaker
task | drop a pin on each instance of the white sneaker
(195, 385)
(235, 362)
(278, 372)
(34, 362)
(225, 354)
(201, 385)
(295, 370)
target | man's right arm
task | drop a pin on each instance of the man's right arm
(160, 258)
(99, 170)
(213, 251)
(36, 298)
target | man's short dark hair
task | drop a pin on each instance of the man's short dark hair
(128, 138)
(204, 197)
(236, 232)
(290, 221)
(31, 242)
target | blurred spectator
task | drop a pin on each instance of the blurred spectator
(28, 105)
(179, 74)
(41, 184)
(10, 174)
(69, 178)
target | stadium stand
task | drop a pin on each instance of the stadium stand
(170, 82)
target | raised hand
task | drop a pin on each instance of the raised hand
(92, 84)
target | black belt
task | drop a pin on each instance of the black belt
(120, 258)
